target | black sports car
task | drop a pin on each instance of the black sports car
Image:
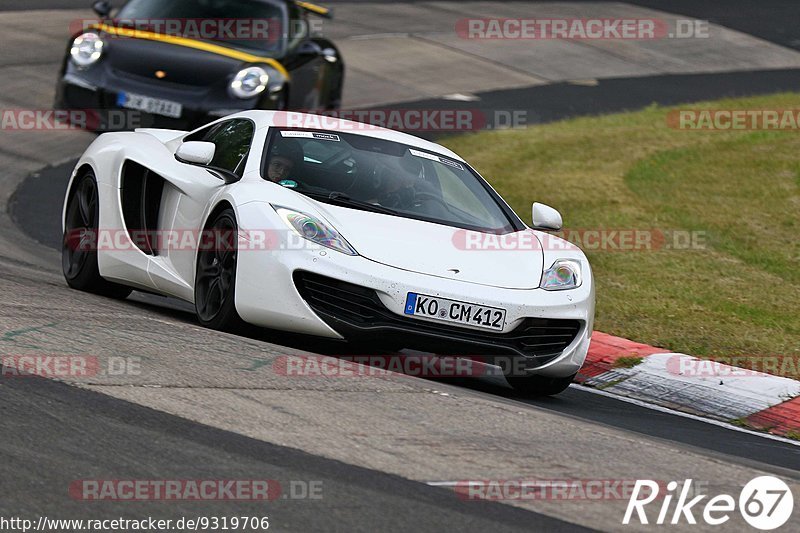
(181, 63)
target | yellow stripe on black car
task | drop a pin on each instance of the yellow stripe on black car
(314, 8)
(192, 43)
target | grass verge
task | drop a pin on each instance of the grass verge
(736, 291)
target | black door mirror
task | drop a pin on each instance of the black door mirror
(102, 8)
(309, 49)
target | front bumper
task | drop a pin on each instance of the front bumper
(95, 90)
(270, 292)
(358, 313)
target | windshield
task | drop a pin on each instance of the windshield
(252, 24)
(371, 174)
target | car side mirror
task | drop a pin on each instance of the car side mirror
(546, 218)
(102, 8)
(309, 49)
(196, 152)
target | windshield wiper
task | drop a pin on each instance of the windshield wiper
(341, 199)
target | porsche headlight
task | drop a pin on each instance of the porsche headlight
(314, 230)
(86, 49)
(249, 82)
(563, 275)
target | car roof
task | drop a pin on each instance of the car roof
(310, 121)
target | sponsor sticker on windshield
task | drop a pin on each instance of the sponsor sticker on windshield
(311, 135)
(450, 163)
(439, 159)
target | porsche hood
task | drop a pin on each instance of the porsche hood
(172, 60)
(169, 64)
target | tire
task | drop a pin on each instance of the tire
(538, 386)
(283, 101)
(215, 277)
(79, 246)
(334, 102)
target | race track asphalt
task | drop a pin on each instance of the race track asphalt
(63, 434)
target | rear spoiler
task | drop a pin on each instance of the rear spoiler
(315, 9)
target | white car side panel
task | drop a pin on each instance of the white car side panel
(181, 222)
(190, 187)
(119, 260)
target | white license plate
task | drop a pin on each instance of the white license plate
(155, 106)
(464, 313)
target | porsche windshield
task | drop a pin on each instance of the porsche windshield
(252, 24)
(371, 174)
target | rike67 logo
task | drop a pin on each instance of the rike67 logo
(766, 503)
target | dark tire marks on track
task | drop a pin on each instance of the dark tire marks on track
(62, 433)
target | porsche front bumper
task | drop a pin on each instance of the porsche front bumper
(97, 91)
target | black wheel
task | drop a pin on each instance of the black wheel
(79, 247)
(334, 102)
(534, 386)
(215, 282)
(283, 101)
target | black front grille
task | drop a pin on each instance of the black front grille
(357, 313)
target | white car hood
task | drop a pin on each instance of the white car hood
(437, 250)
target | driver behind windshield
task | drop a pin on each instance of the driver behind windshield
(395, 181)
(286, 156)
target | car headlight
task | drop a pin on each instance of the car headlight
(249, 82)
(564, 274)
(314, 230)
(86, 49)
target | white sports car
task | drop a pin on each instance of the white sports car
(346, 232)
